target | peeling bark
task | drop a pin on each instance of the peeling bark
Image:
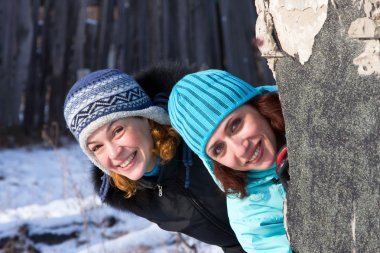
(326, 59)
(295, 23)
(369, 60)
(368, 29)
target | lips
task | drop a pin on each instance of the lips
(256, 154)
(129, 160)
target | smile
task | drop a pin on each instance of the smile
(256, 154)
(128, 160)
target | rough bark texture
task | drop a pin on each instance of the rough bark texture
(330, 91)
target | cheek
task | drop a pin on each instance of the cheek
(132, 139)
(144, 141)
(102, 159)
(227, 159)
(271, 137)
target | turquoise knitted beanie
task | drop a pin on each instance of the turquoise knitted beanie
(200, 101)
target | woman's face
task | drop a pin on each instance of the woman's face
(124, 147)
(243, 141)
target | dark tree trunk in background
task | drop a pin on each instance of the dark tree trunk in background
(16, 29)
(46, 45)
(326, 59)
(238, 38)
(104, 32)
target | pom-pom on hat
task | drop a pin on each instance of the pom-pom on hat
(102, 97)
(200, 101)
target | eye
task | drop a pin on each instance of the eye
(118, 131)
(218, 149)
(95, 148)
(235, 125)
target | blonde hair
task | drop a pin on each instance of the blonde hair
(165, 143)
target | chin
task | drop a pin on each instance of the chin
(135, 177)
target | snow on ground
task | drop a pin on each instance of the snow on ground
(48, 205)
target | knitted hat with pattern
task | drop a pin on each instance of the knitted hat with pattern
(200, 101)
(102, 97)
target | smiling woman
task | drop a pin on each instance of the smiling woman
(124, 147)
(265, 126)
(243, 141)
(131, 147)
(237, 130)
(141, 164)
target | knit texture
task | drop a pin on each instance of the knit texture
(102, 97)
(200, 101)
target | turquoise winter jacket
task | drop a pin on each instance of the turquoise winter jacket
(258, 219)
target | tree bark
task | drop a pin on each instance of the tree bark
(325, 56)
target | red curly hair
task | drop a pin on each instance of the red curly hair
(269, 106)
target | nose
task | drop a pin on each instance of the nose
(113, 150)
(239, 146)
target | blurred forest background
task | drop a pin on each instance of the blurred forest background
(46, 45)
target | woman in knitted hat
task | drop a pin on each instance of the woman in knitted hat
(237, 130)
(141, 164)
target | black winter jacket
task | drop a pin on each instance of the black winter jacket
(198, 211)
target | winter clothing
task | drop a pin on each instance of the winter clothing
(102, 97)
(198, 103)
(258, 219)
(198, 211)
(179, 195)
(155, 171)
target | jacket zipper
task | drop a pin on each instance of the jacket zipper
(159, 190)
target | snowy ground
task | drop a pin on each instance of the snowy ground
(47, 205)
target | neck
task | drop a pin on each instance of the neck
(155, 170)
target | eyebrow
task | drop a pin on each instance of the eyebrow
(225, 129)
(107, 129)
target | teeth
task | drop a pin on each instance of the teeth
(257, 151)
(128, 161)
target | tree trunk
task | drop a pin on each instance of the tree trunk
(16, 29)
(325, 56)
